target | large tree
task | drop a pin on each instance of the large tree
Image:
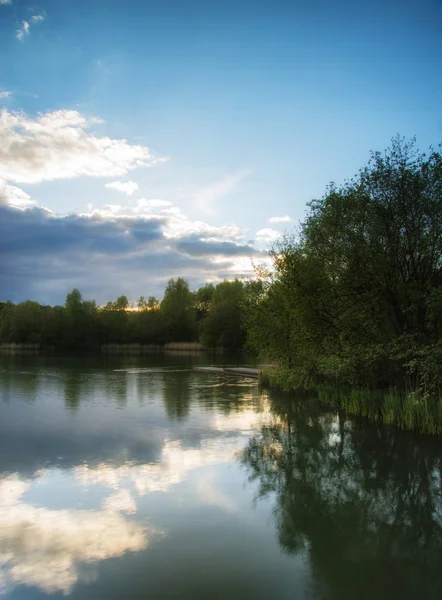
(177, 310)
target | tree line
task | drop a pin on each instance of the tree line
(213, 315)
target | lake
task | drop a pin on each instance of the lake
(138, 477)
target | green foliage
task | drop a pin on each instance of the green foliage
(203, 298)
(121, 303)
(177, 311)
(182, 316)
(74, 301)
(152, 303)
(223, 323)
(355, 297)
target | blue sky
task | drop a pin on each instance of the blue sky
(144, 140)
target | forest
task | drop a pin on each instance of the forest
(212, 315)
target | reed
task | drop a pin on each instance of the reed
(413, 411)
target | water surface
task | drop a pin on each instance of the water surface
(137, 477)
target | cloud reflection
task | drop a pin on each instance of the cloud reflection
(46, 548)
(50, 548)
(176, 463)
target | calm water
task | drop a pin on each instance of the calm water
(140, 478)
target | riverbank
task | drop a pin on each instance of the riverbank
(170, 347)
(239, 371)
(13, 348)
(409, 411)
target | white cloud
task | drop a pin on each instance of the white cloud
(25, 28)
(59, 145)
(125, 187)
(23, 31)
(154, 203)
(285, 219)
(14, 196)
(267, 235)
(207, 196)
(5, 1)
(4, 94)
(147, 207)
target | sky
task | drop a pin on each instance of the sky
(144, 140)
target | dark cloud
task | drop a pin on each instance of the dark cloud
(43, 256)
(195, 245)
(44, 233)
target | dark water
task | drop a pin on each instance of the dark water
(140, 478)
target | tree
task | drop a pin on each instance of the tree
(79, 322)
(358, 291)
(203, 298)
(223, 325)
(74, 301)
(177, 311)
(121, 303)
(152, 303)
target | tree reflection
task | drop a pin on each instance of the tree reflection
(363, 502)
(72, 391)
(177, 395)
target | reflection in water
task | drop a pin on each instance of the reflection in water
(46, 548)
(58, 524)
(174, 467)
(363, 502)
(128, 474)
(176, 395)
(72, 391)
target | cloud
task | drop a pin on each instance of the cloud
(110, 250)
(196, 245)
(143, 204)
(5, 1)
(10, 195)
(125, 187)
(207, 196)
(285, 219)
(60, 145)
(23, 31)
(267, 235)
(25, 28)
(5, 94)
